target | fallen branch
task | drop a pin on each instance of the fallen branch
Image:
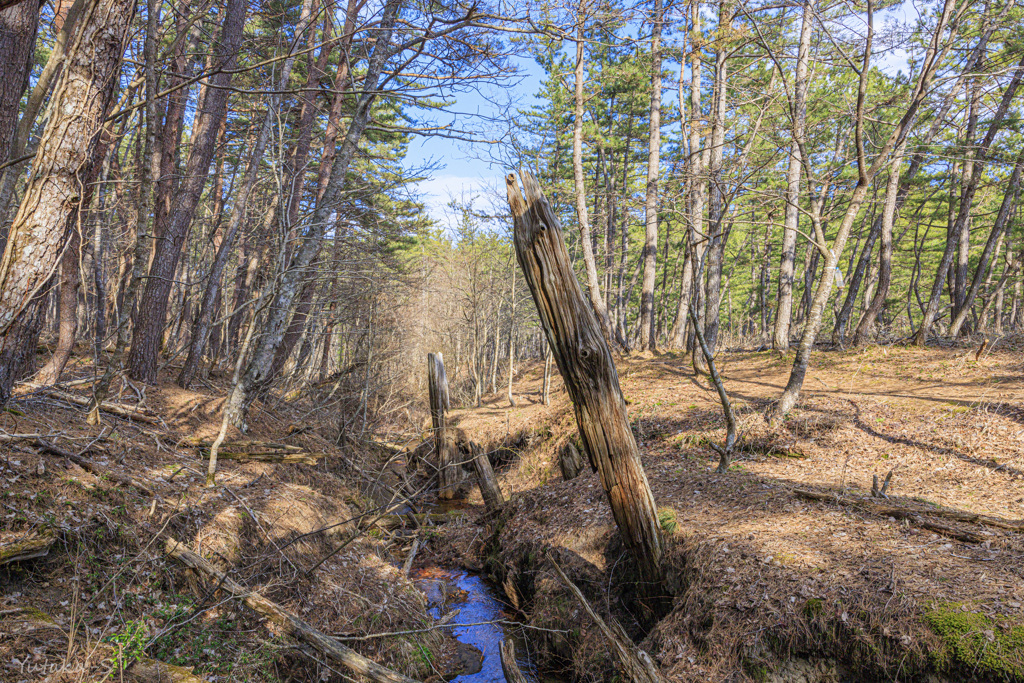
(509, 665)
(292, 626)
(22, 548)
(909, 514)
(395, 521)
(636, 664)
(90, 466)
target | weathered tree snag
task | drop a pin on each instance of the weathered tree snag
(636, 664)
(447, 470)
(570, 461)
(20, 548)
(489, 489)
(585, 361)
(509, 667)
(291, 625)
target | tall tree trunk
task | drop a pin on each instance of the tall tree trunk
(967, 199)
(40, 231)
(18, 26)
(717, 228)
(1007, 207)
(867, 321)
(257, 372)
(593, 284)
(648, 339)
(18, 142)
(201, 330)
(787, 266)
(937, 49)
(152, 312)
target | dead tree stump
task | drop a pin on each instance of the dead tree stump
(489, 489)
(447, 469)
(585, 361)
(570, 461)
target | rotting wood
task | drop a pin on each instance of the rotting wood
(407, 565)
(447, 470)
(509, 666)
(914, 516)
(148, 670)
(291, 625)
(570, 461)
(494, 499)
(25, 548)
(636, 664)
(588, 371)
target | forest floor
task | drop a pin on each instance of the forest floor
(761, 583)
(766, 575)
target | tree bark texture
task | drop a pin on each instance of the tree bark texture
(152, 312)
(39, 233)
(647, 336)
(590, 264)
(787, 266)
(585, 361)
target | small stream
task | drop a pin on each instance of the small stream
(455, 589)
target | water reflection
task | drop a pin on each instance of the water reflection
(451, 589)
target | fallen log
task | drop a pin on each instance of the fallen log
(911, 515)
(25, 548)
(281, 458)
(636, 664)
(494, 499)
(291, 625)
(509, 666)
(127, 412)
(230, 445)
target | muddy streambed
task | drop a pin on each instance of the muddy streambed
(474, 626)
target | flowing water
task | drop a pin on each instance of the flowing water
(454, 589)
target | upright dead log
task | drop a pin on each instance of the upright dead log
(489, 489)
(585, 361)
(447, 470)
(570, 461)
(509, 666)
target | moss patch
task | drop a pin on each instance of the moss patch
(975, 643)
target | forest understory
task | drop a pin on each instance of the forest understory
(785, 568)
